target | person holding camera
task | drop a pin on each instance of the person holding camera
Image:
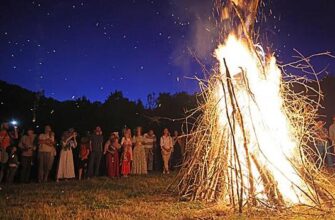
(66, 164)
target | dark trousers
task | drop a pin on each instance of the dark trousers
(11, 174)
(25, 168)
(2, 170)
(94, 164)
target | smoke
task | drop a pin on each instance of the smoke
(201, 33)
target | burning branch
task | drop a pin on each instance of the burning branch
(254, 141)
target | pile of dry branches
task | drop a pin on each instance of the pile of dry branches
(213, 170)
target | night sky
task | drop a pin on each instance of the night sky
(71, 48)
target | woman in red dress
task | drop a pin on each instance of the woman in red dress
(127, 155)
(112, 156)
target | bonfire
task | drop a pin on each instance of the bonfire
(253, 144)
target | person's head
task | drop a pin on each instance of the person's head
(47, 129)
(166, 132)
(151, 132)
(127, 133)
(139, 131)
(115, 140)
(175, 133)
(30, 131)
(72, 131)
(113, 135)
(5, 126)
(98, 130)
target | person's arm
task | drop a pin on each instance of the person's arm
(161, 142)
(117, 146)
(106, 147)
(75, 143)
(21, 144)
(144, 141)
(51, 141)
(16, 134)
(64, 143)
(87, 153)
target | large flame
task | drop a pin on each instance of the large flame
(271, 141)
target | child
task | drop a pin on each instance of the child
(126, 159)
(83, 156)
(112, 156)
(13, 163)
(127, 155)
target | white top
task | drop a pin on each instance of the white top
(149, 141)
(166, 143)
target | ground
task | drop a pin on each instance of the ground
(136, 197)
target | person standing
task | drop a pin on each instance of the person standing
(83, 156)
(139, 161)
(150, 143)
(6, 139)
(127, 154)
(27, 145)
(96, 145)
(166, 144)
(66, 164)
(322, 144)
(112, 156)
(13, 163)
(46, 153)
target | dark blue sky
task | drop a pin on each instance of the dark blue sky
(71, 48)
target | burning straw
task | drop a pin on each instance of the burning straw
(253, 144)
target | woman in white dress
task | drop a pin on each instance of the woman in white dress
(139, 160)
(66, 165)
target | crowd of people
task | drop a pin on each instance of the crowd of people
(136, 154)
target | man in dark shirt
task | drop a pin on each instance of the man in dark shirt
(96, 144)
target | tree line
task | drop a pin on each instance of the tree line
(34, 109)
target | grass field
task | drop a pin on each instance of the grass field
(136, 197)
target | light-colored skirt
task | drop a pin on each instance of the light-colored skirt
(65, 165)
(139, 165)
